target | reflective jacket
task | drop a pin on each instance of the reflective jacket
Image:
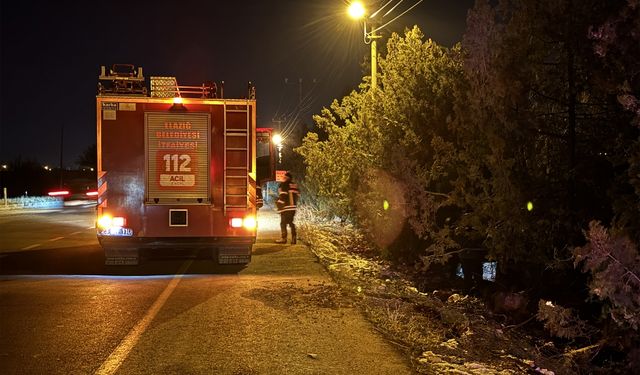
(288, 195)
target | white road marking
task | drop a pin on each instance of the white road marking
(52, 240)
(31, 247)
(119, 354)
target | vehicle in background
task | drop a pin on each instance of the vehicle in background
(76, 192)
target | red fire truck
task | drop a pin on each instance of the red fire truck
(177, 167)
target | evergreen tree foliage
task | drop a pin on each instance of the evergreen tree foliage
(540, 125)
(88, 158)
(511, 142)
(614, 264)
(391, 145)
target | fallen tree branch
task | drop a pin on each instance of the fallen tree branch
(582, 350)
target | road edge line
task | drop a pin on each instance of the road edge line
(31, 246)
(120, 353)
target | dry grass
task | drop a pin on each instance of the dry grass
(454, 335)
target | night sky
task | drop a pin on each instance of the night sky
(51, 54)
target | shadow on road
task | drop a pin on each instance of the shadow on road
(83, 260)
(267, 249)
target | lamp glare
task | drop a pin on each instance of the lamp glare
(277, 139)
(356, 10)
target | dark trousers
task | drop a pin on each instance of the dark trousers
(286, 218)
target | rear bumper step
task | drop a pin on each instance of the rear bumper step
(126, 250)
(174, 242)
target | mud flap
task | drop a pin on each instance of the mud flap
(232, 255)
(121, 257)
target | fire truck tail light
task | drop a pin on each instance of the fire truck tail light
(92, 193)
(105, 221)
(118, 222)
(250, 222)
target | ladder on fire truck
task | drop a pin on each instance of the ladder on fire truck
(237, 163)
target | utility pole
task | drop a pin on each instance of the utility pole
(299, 92)
(61, 151)
(374, 58)
(357, 11)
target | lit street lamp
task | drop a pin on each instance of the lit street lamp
(277, 140)
(357, 11)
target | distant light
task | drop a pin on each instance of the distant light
(385, 205)
(356, 10)
(529, 206)
(46, 167)
(91, 169)
(4, 166)
(277, 139)
(177, 100)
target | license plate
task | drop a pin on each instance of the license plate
(124, 232)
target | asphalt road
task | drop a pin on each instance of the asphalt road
(63, 312)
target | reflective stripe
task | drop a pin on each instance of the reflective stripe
(287, 209)
(288, 196)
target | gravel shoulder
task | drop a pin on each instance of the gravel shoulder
(441, 332)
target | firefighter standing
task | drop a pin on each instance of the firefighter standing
(288, 195)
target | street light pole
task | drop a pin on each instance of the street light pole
(370, 37)
(357, 11)
(374, 58)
